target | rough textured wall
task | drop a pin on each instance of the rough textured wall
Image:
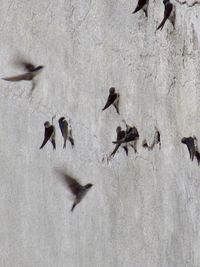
(142, 210)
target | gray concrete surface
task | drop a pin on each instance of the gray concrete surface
(144, 210)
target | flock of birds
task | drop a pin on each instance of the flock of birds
(125, 138)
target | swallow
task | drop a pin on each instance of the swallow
(113, 99)
(169, 13)
(71, 139)
(31, 72)
(197, 154)
(49, 134)
(142, 4)
(131, 137)
(156, 140)
(78, 191)
(120, 135)
(189, 142)
(66, 131)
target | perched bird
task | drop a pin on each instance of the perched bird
(49, 134)
(156, 140)
(169, 13)
(189, 142)
(113, 99)
(66, 131)
(131, 137)
(71, 139)
(31, 72)
(142, 4)
(78, 191)
(120, 135)
(197, 154)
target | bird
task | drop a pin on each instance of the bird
(71, 139)
(77, 190)
(156, 140)
(66, 131)
(197, 154)
(49, 134)
(189, 142)
(31, 72)
(131, 137)
(169, 13)
(113, 99)
(142, 4)
(120, 135)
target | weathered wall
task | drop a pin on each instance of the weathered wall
(143, 210)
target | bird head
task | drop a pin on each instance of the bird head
(88, 186)
(183, 140)
(40, 67)
(165, 1)
(112, 90)
(47, 124)
(118, 129)
(61, 119)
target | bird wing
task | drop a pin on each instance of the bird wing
(120, 135)
(72, 183)
(26, 77)
(140, 5)
(189, 142)
(64, 128)
(110, 100)
(47, 135)
(167, 12)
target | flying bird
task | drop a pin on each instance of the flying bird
(66, 131)
(49, 135)
(120, 135)
(30, 74)
(189, 142)
(142, 4)
(113, 99)
(169, 13)
(77, 190)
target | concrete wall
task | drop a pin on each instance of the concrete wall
(142, 210)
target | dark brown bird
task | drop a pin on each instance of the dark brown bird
(77, 190)
(131, 137)
(31, 72)
(66, 131)
(120, 135)
(169, 13)
(189, 142)
(113, 99)
(142, 4)
(49, 134)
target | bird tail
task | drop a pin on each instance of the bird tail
(197, 154)
(136, 10)
(161, 24)
(43, 144)
(53, 143)
(71, 141)
(126, 150)
(73, 206)
(64, 145)
(115, 150)
(116, 105)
